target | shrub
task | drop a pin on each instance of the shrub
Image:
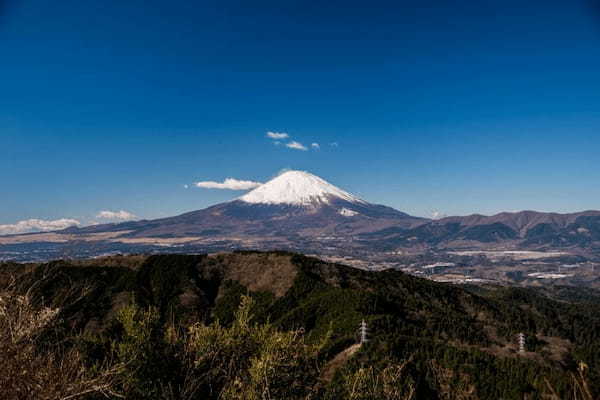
(34, 369)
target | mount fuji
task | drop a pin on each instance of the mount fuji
(298, 188)
(301, 212)
(293, 205)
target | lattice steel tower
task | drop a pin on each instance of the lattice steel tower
(521, 337)
(363, 331)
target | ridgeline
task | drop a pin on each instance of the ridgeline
(268, 325)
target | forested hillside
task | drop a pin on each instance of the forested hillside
(275, 325)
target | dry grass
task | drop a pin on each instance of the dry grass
(337, 362)
(581, 389)
(31, 370)
(270, 272)
(389, 383)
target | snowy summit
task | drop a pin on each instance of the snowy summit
(297, 188)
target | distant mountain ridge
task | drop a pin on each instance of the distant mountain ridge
(525, 229)
(300, 211)
(521, 221)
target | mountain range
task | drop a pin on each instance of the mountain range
(299, 211)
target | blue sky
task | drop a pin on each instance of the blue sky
(456, 107)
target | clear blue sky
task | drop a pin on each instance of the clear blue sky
(462, 107)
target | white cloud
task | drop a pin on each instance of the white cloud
(229, 184)
(315, 146)
(438, 215)
(116, 215)
(277, 135)
(186, 186)
(296, 145)
(283, 171)
(334, 144)
(37, 225)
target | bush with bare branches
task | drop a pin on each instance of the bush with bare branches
(34, 369)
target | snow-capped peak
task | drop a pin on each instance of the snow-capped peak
(297, 188)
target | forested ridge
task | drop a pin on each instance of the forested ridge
(268, 325)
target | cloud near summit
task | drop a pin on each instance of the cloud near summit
(296, 146)
(277, 135)
(280, 138)
(116, 215)
(228, 184)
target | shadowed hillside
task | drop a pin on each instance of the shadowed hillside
(447, 342)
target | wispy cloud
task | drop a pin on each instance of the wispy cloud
(37, 225)
(438, 215)
(228, 184)
(277, 135)
(116, 215)
(296, 145)
(334, 144)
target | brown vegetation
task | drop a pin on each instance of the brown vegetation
(33, 369)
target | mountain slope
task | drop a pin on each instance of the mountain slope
(470, 336)
(526, 229)
(294, 203)
(298, 188)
